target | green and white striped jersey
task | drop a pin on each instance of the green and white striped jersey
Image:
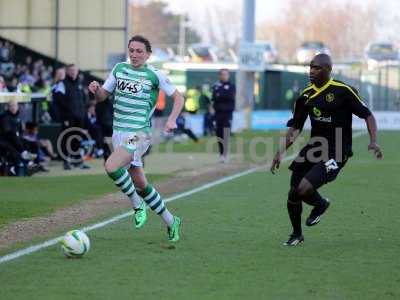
(135, 92)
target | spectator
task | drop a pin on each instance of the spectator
(25, 85)
(11, 143)
(70, 101)
(192, 100)
(93, 127)
(204, 98)
(58, 85)
(42, 147)
(205, 107)
(181, 128)
(223, 98)
(6, 52)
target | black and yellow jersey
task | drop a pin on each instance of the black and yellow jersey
(330, 109)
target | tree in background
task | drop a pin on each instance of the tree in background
(346, 28)
(162, 27)
(223, 25)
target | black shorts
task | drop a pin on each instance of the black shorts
(317, 173)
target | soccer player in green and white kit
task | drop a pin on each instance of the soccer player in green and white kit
(135, 86)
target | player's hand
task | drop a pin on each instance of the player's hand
(275, 163)
(170, 126)
(93, 87)
(376, 149)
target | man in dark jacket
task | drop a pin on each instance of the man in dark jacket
(12, 147)
(223, 99)
(70, 98)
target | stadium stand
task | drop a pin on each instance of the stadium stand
(27, 77)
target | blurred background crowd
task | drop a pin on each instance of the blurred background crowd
(43, 92)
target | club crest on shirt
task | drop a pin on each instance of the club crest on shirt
(329, 97)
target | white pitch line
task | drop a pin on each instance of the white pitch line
(48, 243)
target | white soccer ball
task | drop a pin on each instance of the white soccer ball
(75, 243)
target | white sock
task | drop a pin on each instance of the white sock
(167, 217)
(135, 200)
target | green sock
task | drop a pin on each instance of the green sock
(154, 200)
(123, 180)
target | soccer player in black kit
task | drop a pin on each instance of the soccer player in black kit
(330, 105)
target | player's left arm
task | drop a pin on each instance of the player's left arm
(362, 111)
(171, 90)
(176, 110)
(372, 130)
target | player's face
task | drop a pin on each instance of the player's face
(318, 73)
(137, 54)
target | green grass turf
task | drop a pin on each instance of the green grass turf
(232, 245)
(35, 196)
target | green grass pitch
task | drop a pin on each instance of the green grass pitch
(231, 246)
(44, 195)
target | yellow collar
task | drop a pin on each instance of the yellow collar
(321, 89)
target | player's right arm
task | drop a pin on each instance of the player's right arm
(295, 126)
(291, 135)
(101, 93)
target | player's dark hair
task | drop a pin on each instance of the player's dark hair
(141, 39)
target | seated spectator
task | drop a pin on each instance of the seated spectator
(12, 145)
(45, 146)
(93, 127)
(181, 129)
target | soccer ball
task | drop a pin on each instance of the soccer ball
(75, 243)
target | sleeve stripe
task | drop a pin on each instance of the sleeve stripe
(351, 90)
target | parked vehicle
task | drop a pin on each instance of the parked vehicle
(380, 53)
(308, 50)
